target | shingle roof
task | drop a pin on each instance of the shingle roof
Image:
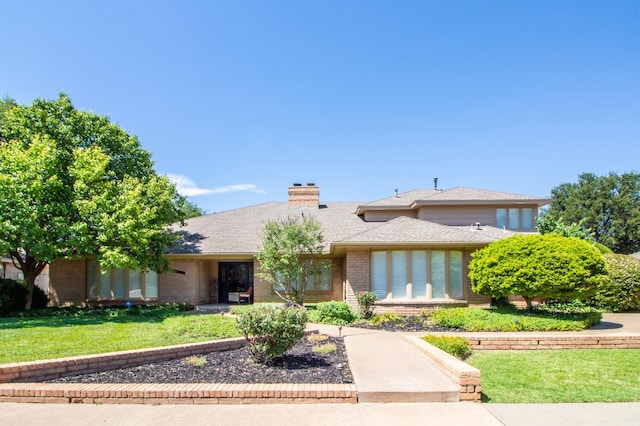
(409, 230)
(454, 195)
(240, 231)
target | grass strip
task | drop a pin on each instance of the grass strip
(550, 376)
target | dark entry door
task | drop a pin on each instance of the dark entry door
(234, 277)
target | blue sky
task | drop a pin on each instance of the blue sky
(239, 99)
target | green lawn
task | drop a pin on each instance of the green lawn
(580, 375)
(28, 339)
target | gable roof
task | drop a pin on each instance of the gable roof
(457, 195)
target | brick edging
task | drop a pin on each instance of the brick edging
(540, 342)
(463, 374)
(35, 371)
(186, 393)
(14, 378)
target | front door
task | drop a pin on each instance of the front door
(234, 277)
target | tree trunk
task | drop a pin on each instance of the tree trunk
(529, 301)
(30, 268)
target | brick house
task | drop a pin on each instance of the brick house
(412, 249)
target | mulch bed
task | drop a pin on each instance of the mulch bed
(298, 365)
(406, 324)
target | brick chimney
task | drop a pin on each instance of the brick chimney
(304, 196)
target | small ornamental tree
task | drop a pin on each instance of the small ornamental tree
(289, 256)
(548, 266)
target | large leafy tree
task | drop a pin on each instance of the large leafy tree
(289, 255)
(548, 266)
(74, 184)
(607, 206)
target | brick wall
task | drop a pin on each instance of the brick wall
(358, 272)
(474, 299)
(179, 287)
(68, 282)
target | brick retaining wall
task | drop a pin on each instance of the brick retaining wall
(463, 374)
(13, 378)
(534, 342)
(186, 393)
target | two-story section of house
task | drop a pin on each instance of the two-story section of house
(411, 249)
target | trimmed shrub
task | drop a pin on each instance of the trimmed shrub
(548, 266)
(366, 303)
(453, 345)
(13, 295)
(385, 317)
(621, 290)
(338, 313)
(476, 319)
(271, 331)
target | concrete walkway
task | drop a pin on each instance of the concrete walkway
(386, 368)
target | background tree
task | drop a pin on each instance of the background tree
(75, 184)
(608, 206)
(289, 256)
(191, 209)
(548, 266)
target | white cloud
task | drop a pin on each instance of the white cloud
(188, 188)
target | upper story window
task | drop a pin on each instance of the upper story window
(519, 219)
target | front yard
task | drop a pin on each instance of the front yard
(568, 375)
(37, 338)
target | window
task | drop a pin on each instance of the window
(113, 284)
(315, 282)
(417, 274)
(514, 218)
(379, 274)
(321, 282)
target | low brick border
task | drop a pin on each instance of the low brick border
(466, 376)
(540, 342)
(16, 382)
(36, 371)
(186, 393)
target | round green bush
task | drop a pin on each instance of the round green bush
(548, 266)
(338, 313)
(271, 330)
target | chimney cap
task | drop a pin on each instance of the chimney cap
(311, 184)
(297, 184)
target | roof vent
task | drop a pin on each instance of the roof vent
(476, 225)
(435, 183)
(396, 190)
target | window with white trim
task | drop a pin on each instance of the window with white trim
(515, 218)
(120, 284)
(417, 274)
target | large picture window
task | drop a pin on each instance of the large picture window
(120, 284)
(417, 274)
